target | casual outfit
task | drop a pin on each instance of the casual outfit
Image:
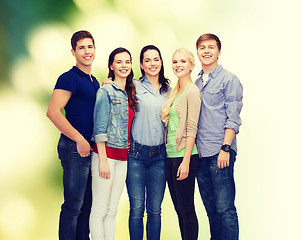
(112, 123)
(183, 121)
(220, 109)
(74, 216)
(146, 178)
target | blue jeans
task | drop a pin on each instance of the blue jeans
(146, 183)
(217, 190)
(75, 211)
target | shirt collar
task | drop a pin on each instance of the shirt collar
(80, 72)
(212, 74)
(117, 86)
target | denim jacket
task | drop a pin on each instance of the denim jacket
(111, 116)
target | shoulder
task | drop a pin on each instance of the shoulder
(228, 75)
(193, 91)
(68, 75)
(67, 81)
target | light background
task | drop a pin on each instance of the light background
(261, 44)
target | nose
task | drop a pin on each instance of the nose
(87, 50)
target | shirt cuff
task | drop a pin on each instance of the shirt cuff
(100, 138)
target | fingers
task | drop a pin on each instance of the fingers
(105, 175)
(221, 164)
(181, 175)
(85, 153)
(107, 81)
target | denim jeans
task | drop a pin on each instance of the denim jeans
(217, 190)
(182, 195)
(146, 183)
(75, 211)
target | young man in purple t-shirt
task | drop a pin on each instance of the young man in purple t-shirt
(75, 91)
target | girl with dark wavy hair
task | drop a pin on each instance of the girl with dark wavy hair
(113, 115)
(146, 177)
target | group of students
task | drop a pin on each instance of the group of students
(143, 133)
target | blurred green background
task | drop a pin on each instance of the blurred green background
(260, 43)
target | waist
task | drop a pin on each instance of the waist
(160, 147)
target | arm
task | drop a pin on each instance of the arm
(194, 103)
(183, 169)
(233, 104)
(224, 157)
(57, 102)
(104, 170)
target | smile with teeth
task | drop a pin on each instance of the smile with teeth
(207, 56)
(87, 57)
(123, 70)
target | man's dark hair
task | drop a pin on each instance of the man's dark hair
(77, 36)
(208, 36)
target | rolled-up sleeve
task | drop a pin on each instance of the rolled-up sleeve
(101, 116)
(233, 103)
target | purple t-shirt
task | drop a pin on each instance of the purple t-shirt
(79, 108)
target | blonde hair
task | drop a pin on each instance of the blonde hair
(165, 111)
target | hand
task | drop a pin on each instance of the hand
(104, 170)
(183, 171)
(107, 81)
(223, 159)
(83, 147)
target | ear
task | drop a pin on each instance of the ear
(219, 54)
(192, 66)
(111, 68)
(73, 52)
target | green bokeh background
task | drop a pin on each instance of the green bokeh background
(260, 43)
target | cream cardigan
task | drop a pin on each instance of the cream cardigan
(188, 109)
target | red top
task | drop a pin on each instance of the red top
(119, 153)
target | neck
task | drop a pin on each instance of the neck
(154, 80)
(209, 68)
(121, 82)
(184, 82)
(85, 69)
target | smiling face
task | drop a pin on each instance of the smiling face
(151, 63)
(84, 53)
(121, 65)
(181, 64)
(208, 54)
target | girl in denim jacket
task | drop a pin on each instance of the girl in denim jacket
(113, 115)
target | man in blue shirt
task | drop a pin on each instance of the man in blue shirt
(75, 91)
(219, 122)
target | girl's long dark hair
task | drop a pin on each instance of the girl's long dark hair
(162, 79)
(129, 88)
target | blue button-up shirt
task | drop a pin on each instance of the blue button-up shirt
(220, 108)
(147, 127)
